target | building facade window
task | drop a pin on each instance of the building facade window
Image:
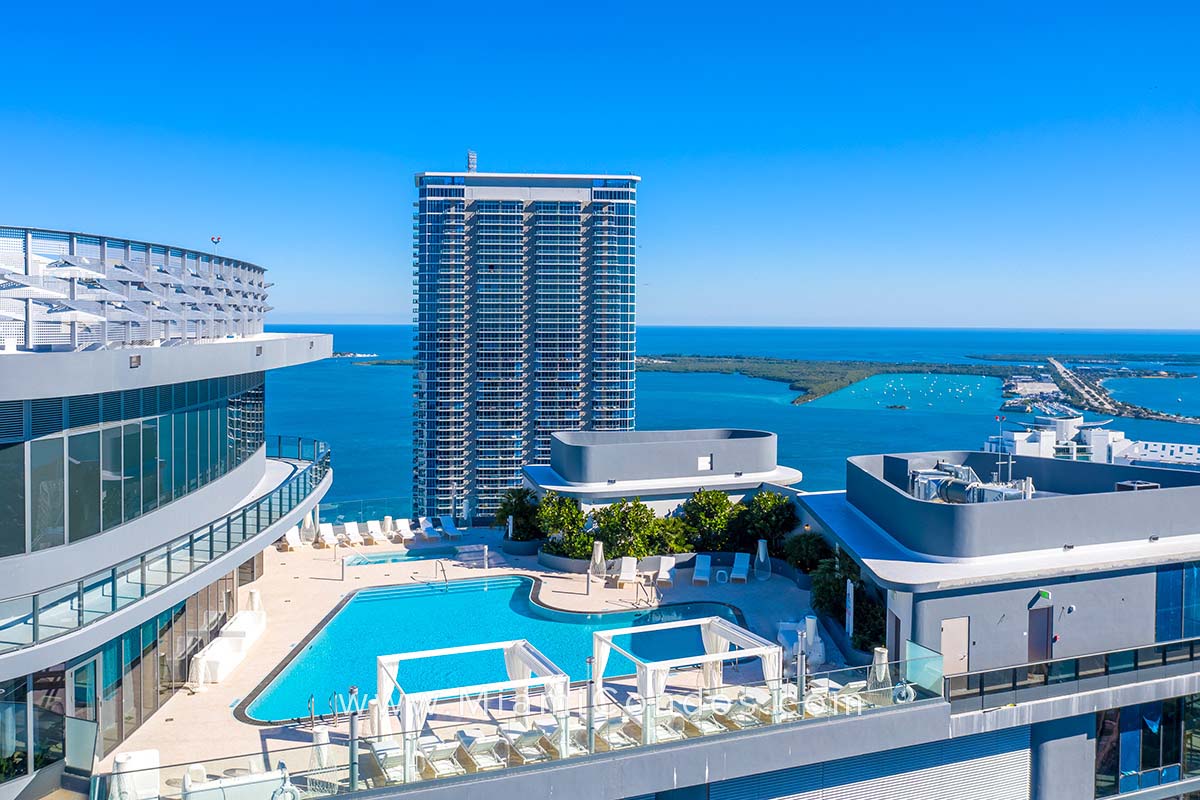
(1146, 745)
(1177, 602)
(118, 685)
(104, 460)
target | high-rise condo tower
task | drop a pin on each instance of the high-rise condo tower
(524, 311)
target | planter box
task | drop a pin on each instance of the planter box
(529, 548)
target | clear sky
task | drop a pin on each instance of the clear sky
(961, 164)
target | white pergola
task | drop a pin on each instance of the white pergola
(526, 668)
(718, 635)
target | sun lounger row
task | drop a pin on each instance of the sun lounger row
(400, 531)
(665, 576)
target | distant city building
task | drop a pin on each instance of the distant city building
(524, 311)
(1074, 439)
(661, 468)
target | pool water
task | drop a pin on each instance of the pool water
(404, 619)
(396, 557)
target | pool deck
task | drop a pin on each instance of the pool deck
(299, 589)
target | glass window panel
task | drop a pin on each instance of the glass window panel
(164, 459)
(131, 681)
(12, 499)
(1172, 733)
(179, 468)
(14, 731)
(202, 445)
(193, 455)
(201, 549)
(1152, 730)
(47, 485)
(133, 470)
(83, 485)
(49, 704)
(110, 697)
(181, 559)
(1191, 735)
(149, 465)
(1168, 599)
(111, 505)
(1191, 599)
(149, 668)
(1130, 725)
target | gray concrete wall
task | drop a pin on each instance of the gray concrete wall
(33, 376)
(1063, 759)
(597, 457)
(1112, 611)
(1089, 511)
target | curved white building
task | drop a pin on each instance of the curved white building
(137, 486)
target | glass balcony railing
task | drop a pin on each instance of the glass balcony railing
(31, 619)
(519, 729)
(993, 688)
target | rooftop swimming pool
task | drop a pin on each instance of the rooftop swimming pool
(397, 557)
(375, 622)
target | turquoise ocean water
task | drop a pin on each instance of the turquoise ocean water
(366, 412)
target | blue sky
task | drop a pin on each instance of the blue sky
(956, 164)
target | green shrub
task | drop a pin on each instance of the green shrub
(705, 516)
(805, 550)
(625, 528)
(768, 515)
(828, 593)
(522, 505)
(557, 514)
(870, 618)
(669, 535)
(570, 545)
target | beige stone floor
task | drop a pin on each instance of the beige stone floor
(299, 589)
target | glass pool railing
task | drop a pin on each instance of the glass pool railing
(30, 619)
(522, 729)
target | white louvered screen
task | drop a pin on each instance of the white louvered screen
(990, 766)
(12, 249)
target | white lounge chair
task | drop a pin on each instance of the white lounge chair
(741, 568)
(669, 726)
(291, 540)
(701, 720)
(326, 537)
(389, 526)
(427, 529)
(375, 533)
(389, 757)
(439, 759)
(702, 571)
(449, 529)
(666, 571)
(404, 532)
(576, 736)
(626, 571)
(611, 735)
(525, 744)
(482, 752)
(350, 531)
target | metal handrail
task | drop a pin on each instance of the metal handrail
(194, 549)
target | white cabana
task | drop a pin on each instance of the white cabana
(718, 635)
(525, 665)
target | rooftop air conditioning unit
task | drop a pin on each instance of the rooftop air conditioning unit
(1136, 486)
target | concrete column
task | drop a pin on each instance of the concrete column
(1063, 755)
